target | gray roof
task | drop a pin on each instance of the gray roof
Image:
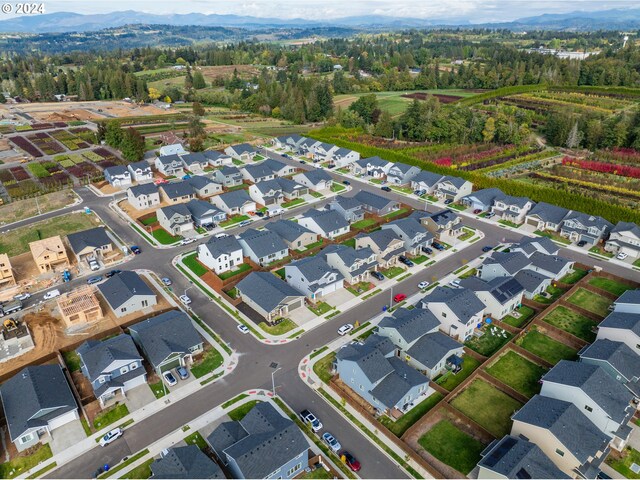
(289, 186)
(548, 212)
(222, 246)
(589, 220)
(530, 279)
(243, 147)
(617, 354)
(411, 324)
(94, 238)
(314, 268)
(165, 334)
(502, 289)
(609, 394)
(194, 157)
(430, 349)
(98, 355)
(624, 321)
(486, 196)
(144, 189)
(443, 217)
(462, 301)
(411, 227)
(258, 171)
(370, 359)
(550, 263)
(117, 170)
(293, 138)
(373, 200)
(626, 227)
(455, 181)
(235, 198)
(269, 441)
(262, 242)
(169, 159)
(199, 181)
(184, 463)
(142, 165)
(177, 189)
(567, 423)
(287, 229)
(177, 209)
(265, 289)
(316, 176)
(214, 154)
(373, 161)
(350, 256)
(122, 287)
(327, 220)
(430, 179)
(383, 344)
(347, 203)
(31, 390)
(403, 167)
(382, 238)
(531, 245)
(227, 170)
(519, 202)
(514, 457)
(394, 387)
(199, 208)
(630, 296)
(273, 165)
(512, 262)
(342, 152)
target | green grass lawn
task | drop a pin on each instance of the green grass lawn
(574, 277)
(391, 272)
(487, 406)
(293, 203)
(488, 344)
(280, 329)
(610, 286)
(600, 251)
(164, 237)
(242, 268)
(396, 213)
(337, 188)
(572, 322)
(452, 446)
(313, 245)
(320, 308)
(623, 465)
(208, 362)
(196, 439)
(110, 416)
(508, 223)
(316, 194)
(419, 260)
(590, 301)
(239, 412)
(351, 243)
(158, 389)
(72, 359)
(469, 273)
(191, 262)
(322, 367)
(142, 471)
(553, 292)
(451, 381)
(517, 372)
(234, 220)
(23, 462)
(318, 473)
(360, 288)
(364, 223)
(149, 220)
(525, 314)
(553, 236)
(546, 347)
(412, 416)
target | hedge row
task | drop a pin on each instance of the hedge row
(500, 92)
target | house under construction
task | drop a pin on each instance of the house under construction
(80, 306)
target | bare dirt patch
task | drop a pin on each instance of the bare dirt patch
(227, 70)
(439, 96)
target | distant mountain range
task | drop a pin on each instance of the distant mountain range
(61, 22)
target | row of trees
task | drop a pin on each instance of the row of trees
(129, 141)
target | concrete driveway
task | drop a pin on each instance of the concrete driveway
(338, 298)
(139, 397)
(66, 436)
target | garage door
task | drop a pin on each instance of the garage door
(532, 221)
(296, 304)
(171, 364)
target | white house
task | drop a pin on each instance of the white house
(512, 209)
(313, 277)
(140, 171)
(170, 165)
(235, 202)
(315, 180)
(221, 254)
(501, 296)
(143, 196)
(457, 309)
(263, 246)
(327, 223)
(453, 188)
(624, 238)
(118, 176)
(174, 149)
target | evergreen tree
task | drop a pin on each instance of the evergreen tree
(132, 145)
(198, 80)
(384, 127)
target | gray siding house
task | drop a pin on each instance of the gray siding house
(578, 226)
(127, 293)
(269, 296)
(402, 174)
(228, 176)
(183, 463)
(482, 199)
(296, 236)
(546, 216)
(374, 203)
(414, 235)
(617, 359)
(313, 277)
(624, 238)
(327, 223)
(204, 213)
(262, 246)
(117, 176)
(353, 264)
(143, 196)
(350, 208)
(203, 186)
(175, 219)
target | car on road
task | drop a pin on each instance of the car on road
(448, 201)
(427, 250)
(377, 275)
(185, 300)
(51, 294)
(182, 372)
(187, 241)
(311, 419)
(621, 256)
(22, 296)
(455, 283)
(346, 182)
(221, 235)
(331, 441)
(581, 243)
(110, 436)
(385, 189)
(490, 215)
(399, 297)
(93, 280)
(302, 161)
(135, 249)
(167, 281)
(244, 223)
(344, 329)
(405, 260)
(477, 211)
(243, 328)
(285, 155)
(423, 285)
(111, 273)
(487, 248)
(169, 378)
(351, 461)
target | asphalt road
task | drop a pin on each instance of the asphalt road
(254, 369)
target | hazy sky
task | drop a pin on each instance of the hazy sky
(474, 10)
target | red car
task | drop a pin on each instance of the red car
(477, 211)
(399, 297)
(351, 461)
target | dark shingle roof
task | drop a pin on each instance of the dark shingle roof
(314, 268)
(262, 242)
(273, 165)
(627, 227)
(258, 171)
(617, 354)
(411, 324)
(199, 181)
(177, 189)
(287, 229)
(371, 361)
(512, 262)
(443, 217)
(409, 226)
(222, 246)
(373, 200)
(625, 321)
(430, 179)
(97, 356)
(328, 220)
(382, 238)
(462, 301)
(142, 165)
(530, 279)
(184, 463)
(373, 161)
(265, 289)
(394, 387)
(235, 198)
(195, 157)
(549, 263)
(430, 349)
(122, 287)
(548, 212)
(228, 170)
(486, 196)
(93, 238)
(199, 208)
(144, 189)
(531, 245)
(630, 296)
(243, 147)
(316, 176)
(347, 203)
(502, 289)
(117, 170)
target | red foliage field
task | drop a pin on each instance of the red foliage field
(603, 167)
(439, 96)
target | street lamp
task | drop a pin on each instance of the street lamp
(188, 288)
(273, 382)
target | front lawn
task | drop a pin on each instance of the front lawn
(320, 308)
(281, 328)
(419, 260)
(396, 213)
(574, 277)
(364, 223)
(508, 223)
(196, 439)
(525, 314)
(24, 462)
(240, 412)
(623, 465)
(158, 389)
(517, 372)
(360, 288)
(469, 273)
(487, 406)
(449, 380)
(164, 237)
(572, 322)
(609, 285)
(391, 272)
(293, 203)
(412, 416)
(351, 243)
(490, 342)
(242, 268)
(546, 347)
(553, 236)
(110, 416)
(316, 194)
(234, 220)
(590, 301)
(192, 263)
(142, 471)
(323, 367)
(452, 446)
(207, 363)
(337, 188)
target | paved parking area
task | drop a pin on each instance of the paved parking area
(66, 436)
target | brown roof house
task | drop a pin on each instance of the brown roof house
(49, 253)
(6, 272)
(80, 306)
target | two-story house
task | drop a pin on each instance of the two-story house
(175, 219)
(170, 165)
(617, 359)
(622, 325)
(143, 196)
(140, 171)
(445, 225)
(531, 245)
(501, 296)
(313, 277)
(534, 283)
(262, 246)
(228, 176)
(296, 236)
(269, 296)
(512, 209)
(624, 238)
(7, 278)
(482, 200)
(322, 152)
(243, 152)
(316, 180)
(376, 204)
(343, 157)
(503, 264)
(203, 186)
(426, 181)
(204, 213)
(177, 192)
(327, 223)
(127, 293)
(581, 227)
(386, 244)
(289, 143)
(414, 235)
(257, 173)
(305, 147)
(374, 167)
(457, 309)
(349, 207)
(452, 188)
(402, 174)
(235, 202)
(267, 192)
(49, 254)
(278, 168)
(546, 216)
(353, 264)
(195, 162)
(221, 254)
(118, 176)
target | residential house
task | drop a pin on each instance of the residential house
(305, 147)
(621, 327)
(343, 157)
(321, 151)
(434, 353)
(7, 279)
(94, 242)
(170, 165)
(168, 340)
(427, 181)
(375, 167)
(563, 434)
(503, 264)
(327, 223)
(118, 176)
(512, 209)
(221, 254)
(350, 208)
(353, 264)
(195, 162)
(49, 253)
(546, 216)
(243, 152)
(482, 199)
(288, 142)
(184, 463)
(79, 306)
(628, 302)
(267, 192)
(36, 401)
(386, 244)
(217, 159)
(143, 196)
(501, 296)
(515, 457)
(112, 366)
(175, 219)
(600, 398)
(173, 149)
(534, 283)
(235, 202)
(617, 359)
(457, 309)
(579, 227)
(405, 327)
(315, 180)
(140, 171)
(228, 176)
(624, 238)
(552, 266)
(268, 295)
(531, 245)
(453, 188)
(127, 293)
(263, 246)
(177, 192)
(204, 213)
(376, 204)
(203, 186)
(445, 225)
(414, 235)
(264, 444)
(296, 236)
(257, 173)
(402, 174)
(278, 168)
(313, 277)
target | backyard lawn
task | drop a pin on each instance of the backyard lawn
(546, 347)
(364, 223)
(610, 286)
(553, 293)
(192, 264)
(24, 462)
(322, 367)
(396, 213)
(452, 446)
(412, 416)
(517, 372)
(451, 381)
(489, 343)
(572, 322)
(623, 465)
(487, 406)
(349, 243)
(525, 314)
(590, 301)
(574, 276)
(72, 360)
(240, 412)
(281, 328)
(242, 268)
(208, 362)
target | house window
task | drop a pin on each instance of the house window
(145, 303)
(195, 348)
(26, 439)
(123, 309)
(294, 470)
(133, 366)
(588, 408)
(559, 452)
(124, 370)
(444, 314)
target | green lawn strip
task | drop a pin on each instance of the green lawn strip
(391, 272)
(623, 465)
(196, 439)
(360, 328)
(395, 213)
(320, 308)
(517, 372)
(144, 234)
(419, 260)
(40, 473)
(572, 322)
(318, 352)
(488, 343)
(469, 273)
(457, 206)
(322, 367)
(125, 464)
(311, 246)
(164, 237)
(238, 413)
(349, 243)
(404, 277)
(574, 276)
(368, 295)
(609, 285)
(191, 262)
(22, 462)
(452, 446)
(316, 194)
(281, 328)
(553, 236)
(85, 426)
(142, 471)
(110, 416)
(293, 203)
(234, 220)
(487, 406)
(158, 389)
(72, 360)
(450, 380)
(401, 425)
(337, 188)
(333, 314)
(525, 314)
(364, 223)
(590, 301)
(318, 473)
(149, 221)
(508, 223)
(242, 268)
(546, 347)
(553, 294)
(207, 363)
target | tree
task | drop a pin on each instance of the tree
(574, 138)
(132, 145)
(489, 131)
(198, 80)
(196, 127)
(198, 109)
(188, 79)
(365, 106)
(196, 144)
(113, 134)
(167, 99)
(154, 93)
(384, 127)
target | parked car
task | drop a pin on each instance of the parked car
(185, 300)
(331, 167)
(399, 297)
(581, 243)
(93, 280)
(487, 248)
(490, 214)
(351, 461)
(455, 283)
(423, 285)
(166, 280)
(93, 265)
(344, 329)
(110, 436)
(621, 256)
(405, 260)
(51, 294)
(244, 223)
(111, 273)
(448, 201)
(331, 441)
(311, 419)
(427, 250)
(477, 211)
(437, 246)
(135, 249)
(377, 275)
(346, 182)
(302, 161)
(285, 155)
(169, 378)
(243, 328)
(420, 193)
(187, 241)
(221, 235)
(182, 372)
(22, 296)
(260, 214)
(385, 188)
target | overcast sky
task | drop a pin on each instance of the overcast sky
(473, 10)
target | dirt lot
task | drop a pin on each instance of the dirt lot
(28, 208)
(227, 70)
(439, 96)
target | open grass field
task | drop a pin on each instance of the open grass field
(610, 286)
(517, 372)
(590, 301)
(572, 322)
(412, 416)
(487, 406)
(546, 347)
(452, 446)
(488, 343)
(322, 367)
(21, 209)
(451, 381)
